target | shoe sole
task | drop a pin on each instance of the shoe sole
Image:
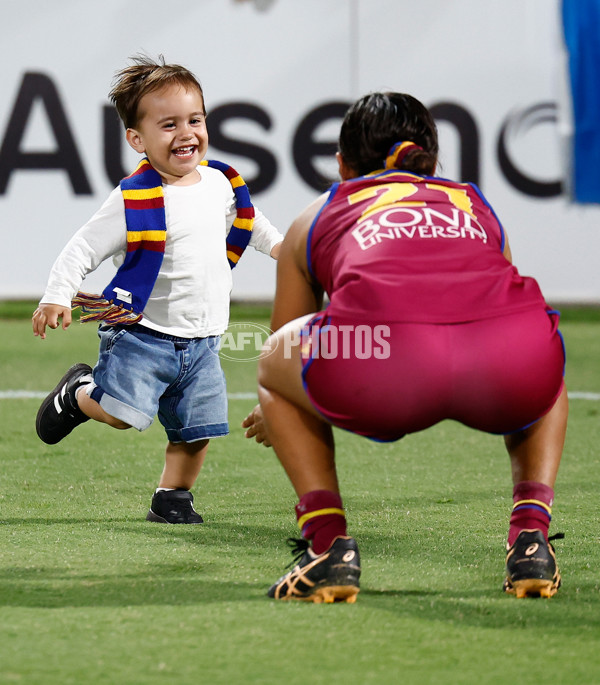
(328, 594)
(50, 400)
(155, 518)
(533, 587)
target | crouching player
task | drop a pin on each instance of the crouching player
(470, 339)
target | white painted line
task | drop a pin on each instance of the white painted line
(21, 395)
(35, 395)
(592, 396)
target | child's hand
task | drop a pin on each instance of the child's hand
(255, 424)
(49, 315)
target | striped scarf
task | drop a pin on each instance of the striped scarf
(124, 299)
(241, 230)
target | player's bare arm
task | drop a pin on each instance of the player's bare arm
(297, 295)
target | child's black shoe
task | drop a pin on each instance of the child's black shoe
(59, 412)
(173, 506)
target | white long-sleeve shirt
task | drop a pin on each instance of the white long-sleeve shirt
(191, 295)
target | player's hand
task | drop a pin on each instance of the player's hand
(255, 425)
(50, 315)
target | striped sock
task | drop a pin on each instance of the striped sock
(321, 518)
(532, 508)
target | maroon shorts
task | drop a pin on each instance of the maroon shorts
(497, 375)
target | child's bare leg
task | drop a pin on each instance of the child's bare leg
(183, 461)
(173, 502)
(92, 409)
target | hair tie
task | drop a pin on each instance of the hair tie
(398, 152)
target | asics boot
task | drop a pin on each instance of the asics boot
(329, 577)
(531, 569)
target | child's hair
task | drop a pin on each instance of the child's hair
(141, 78)
(377, 121)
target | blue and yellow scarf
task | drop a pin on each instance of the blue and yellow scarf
(124, 299)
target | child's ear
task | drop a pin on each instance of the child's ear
(135, 140)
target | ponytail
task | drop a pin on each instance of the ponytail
(409, 156)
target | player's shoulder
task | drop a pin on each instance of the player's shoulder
(307, 217)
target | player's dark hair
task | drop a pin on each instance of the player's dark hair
(377, 121)
(142, 77)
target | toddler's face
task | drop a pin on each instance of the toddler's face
(171, 131)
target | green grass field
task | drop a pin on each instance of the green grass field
(92, 593)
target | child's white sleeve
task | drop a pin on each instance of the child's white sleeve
(103, 236)
(264, 235)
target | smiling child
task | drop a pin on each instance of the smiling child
(175, 228)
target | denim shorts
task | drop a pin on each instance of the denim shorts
(141, 373)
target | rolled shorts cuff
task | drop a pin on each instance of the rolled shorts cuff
(119, 410)
(194, 433)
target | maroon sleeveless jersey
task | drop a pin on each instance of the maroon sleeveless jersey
(399, 247)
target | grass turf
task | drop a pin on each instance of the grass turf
(90, 592)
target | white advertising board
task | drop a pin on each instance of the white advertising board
(277, 75)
